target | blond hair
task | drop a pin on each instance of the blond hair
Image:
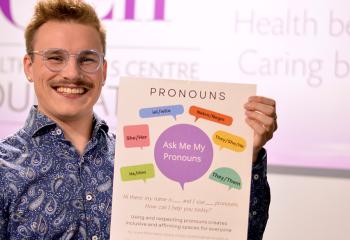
(64, 11)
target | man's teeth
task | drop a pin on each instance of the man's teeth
(70, 90)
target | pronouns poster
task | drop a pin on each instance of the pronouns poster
(183, 160)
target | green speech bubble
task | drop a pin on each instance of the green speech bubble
(227, 176)
(137, 172)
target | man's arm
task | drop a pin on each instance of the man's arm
(259, 198)
(3, 214)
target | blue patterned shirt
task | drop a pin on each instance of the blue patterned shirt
(49, 191)
(259, 199)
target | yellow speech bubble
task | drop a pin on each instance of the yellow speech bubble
(229, 141)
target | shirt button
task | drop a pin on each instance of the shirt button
(254, 213)
(94, 237)
(89, 197)
(58, 131)
(256, 176)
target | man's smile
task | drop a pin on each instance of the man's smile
(71, 90)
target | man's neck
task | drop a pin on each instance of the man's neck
(78, 132)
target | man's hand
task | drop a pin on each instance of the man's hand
(262, 118)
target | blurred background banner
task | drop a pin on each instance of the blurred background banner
(298, 53)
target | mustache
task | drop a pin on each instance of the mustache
(78, 82)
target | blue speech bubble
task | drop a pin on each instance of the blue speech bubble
(172, 110)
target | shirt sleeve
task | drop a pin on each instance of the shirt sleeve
(259, 198)
(3, 214)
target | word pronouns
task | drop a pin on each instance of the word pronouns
(187, 93)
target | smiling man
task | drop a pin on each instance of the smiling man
(66, 63)
(56, 172)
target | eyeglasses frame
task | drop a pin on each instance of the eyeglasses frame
(42, 54)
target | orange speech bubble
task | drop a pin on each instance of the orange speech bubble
(210, 115)
(136, 136)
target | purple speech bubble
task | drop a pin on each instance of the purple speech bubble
(183, 153)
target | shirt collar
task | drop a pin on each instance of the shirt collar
(98, 124)
(37, 123)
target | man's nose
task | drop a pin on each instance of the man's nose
(71, 70)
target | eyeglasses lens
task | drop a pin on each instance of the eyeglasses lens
(57, 59)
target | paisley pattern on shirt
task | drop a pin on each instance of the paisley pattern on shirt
(259, 199)
(48, 190)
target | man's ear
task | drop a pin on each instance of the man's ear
(104, 72)
(27, 65)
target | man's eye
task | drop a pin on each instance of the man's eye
(87, 60)
(55, 58)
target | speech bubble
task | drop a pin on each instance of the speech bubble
(160, 111)
(137, 172)
(183, 153)
(229, 141)
(136, 136)
(210, 115)
(227, 176)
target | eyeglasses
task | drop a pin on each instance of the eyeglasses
(56, 59)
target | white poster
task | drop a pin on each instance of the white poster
(183, 160)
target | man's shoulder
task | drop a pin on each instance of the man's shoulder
(13, 147)
(12, 150)
(15, 137)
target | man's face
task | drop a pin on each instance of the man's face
(71, 93)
